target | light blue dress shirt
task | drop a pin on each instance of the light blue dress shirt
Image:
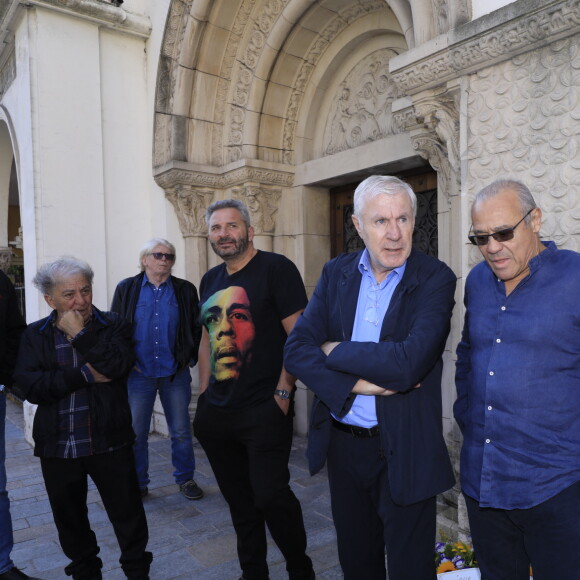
(373, 303)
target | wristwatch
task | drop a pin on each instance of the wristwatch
(283, 393)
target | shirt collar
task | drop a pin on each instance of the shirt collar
(364, 266)
(547, 254)
(145, 281)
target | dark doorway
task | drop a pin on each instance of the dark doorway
(344, 237)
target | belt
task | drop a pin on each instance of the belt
(355, 431)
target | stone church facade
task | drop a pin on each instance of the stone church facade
(124, 123)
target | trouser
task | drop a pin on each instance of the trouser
(175, 396)
(114, 476)
(248, 451)
(368, 521)
(6, 538)
(546, 536)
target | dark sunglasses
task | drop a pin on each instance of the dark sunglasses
(501, 236)
(160, 255)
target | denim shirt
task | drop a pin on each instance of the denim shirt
(518, 383)
(155, 329)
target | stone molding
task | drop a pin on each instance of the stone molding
(103, 13)
(7, 73)
(471, 49)
(172, 42)
(174, 176)
(262, 203)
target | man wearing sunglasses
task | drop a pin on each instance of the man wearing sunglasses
(518, 392)
(164, 312)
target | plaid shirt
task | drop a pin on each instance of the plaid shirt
(74, 418)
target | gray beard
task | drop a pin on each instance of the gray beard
(241, 247)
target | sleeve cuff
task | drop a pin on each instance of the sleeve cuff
(87, 374)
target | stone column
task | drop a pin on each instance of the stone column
(190, 203)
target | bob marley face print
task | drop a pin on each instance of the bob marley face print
(227, 317)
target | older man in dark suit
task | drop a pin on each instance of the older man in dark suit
(369, 345)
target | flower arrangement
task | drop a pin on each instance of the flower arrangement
(450, 556)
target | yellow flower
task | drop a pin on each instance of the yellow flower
(445, 566)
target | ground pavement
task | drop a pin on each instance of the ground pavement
(190, 540)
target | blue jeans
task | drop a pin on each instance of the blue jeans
(175, 397)
(6, 538)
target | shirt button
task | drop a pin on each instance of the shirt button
(491, 373)
(498, 340)
(503, 307)
(490, 408)
(488, 441)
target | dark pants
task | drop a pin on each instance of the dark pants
(367, 520)
(546, 536)
(248, 451)
(115, 477)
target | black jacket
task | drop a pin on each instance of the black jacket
(11, 327)
(107, 346)
(412, 341)
(189, 329)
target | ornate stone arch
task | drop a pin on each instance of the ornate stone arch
(240, 89)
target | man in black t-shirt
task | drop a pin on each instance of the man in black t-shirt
(249, 304)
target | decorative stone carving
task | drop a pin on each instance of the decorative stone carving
(263, 205)
(433, 125)
(470, 49)
(441, 14)
(441, 115)
(174, 177)
(190, 205)
(523, 117)
(245, 73)
(269, 15)
(361, 111)
(330, 31)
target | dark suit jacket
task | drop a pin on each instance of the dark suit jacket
(413, 336)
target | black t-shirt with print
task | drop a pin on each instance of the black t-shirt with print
(242, 314)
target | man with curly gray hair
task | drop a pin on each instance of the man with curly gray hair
(74, 365)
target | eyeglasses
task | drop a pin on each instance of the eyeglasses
(160, 255)
(501, 236)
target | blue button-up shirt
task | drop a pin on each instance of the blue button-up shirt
(373, 303)
(155, 328)
(518, 383)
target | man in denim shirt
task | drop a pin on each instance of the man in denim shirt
(164, 312)
(518, 387)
